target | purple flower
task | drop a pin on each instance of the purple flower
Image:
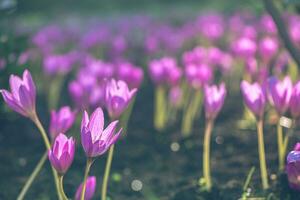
(58, 64)
(268, 47)
(198, 75)
(254, 97)
(22, 96)
(90, 189)
(78, 94)
(214, 100)
(244, 47)
(295, 101)
(165, 71)
(131, 74)
(293, 168)
(195, 56)
(118, 96)
(94, 139)
(62, 153)
(214, 26)
(280, 93)
(61, 121)
(267, 24)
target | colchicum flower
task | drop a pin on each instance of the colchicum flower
(90, 189)
(118, 96)
(214, 100)
(94, 139)
(293, 168)
(22, 96)
(61, 121)
(62, 153)
(295, 101)
(254, 97)
(280, 93)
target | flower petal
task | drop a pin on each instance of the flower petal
(96, 122)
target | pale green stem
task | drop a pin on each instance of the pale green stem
(107, 172)
(262, 159)
(61, 187)
(89, 162)
(190, 113)
(54, 91)
(33, 175)
(206, 154)
(39, 125)
(280, 146)
(286, 141)
(160, 115)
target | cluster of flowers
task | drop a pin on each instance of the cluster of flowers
(240, 44)
(95, 139)
(283, 96)
(251, 47)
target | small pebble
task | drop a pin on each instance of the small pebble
(219, 140)
(273, 177)
(136, 185)
(22, 162)
(175, 146)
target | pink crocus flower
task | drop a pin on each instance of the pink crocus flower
(118, 97)
(94, 139)
(254, 97)
(214, 99)
(62, 153)
(61, 121)
(22, 96)
(280, 93)
(90, 189)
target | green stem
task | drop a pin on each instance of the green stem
(206, 154)
(39, 125)
(54, 91)
(262, 159)
(89, 162)
(197, 104)
(280, 146)
(286, 140)
(61, 187)
(42, 131)
(106, 173)
(159, 116)
(190, 113)
(33, 175)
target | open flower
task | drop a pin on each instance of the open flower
(94, 139)
(61, 121)
(293, 168)
(90, 189)
(62, 153)
(22, 96)
(118, 96)
(254, 97)
(214, 100)
(280, 93)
